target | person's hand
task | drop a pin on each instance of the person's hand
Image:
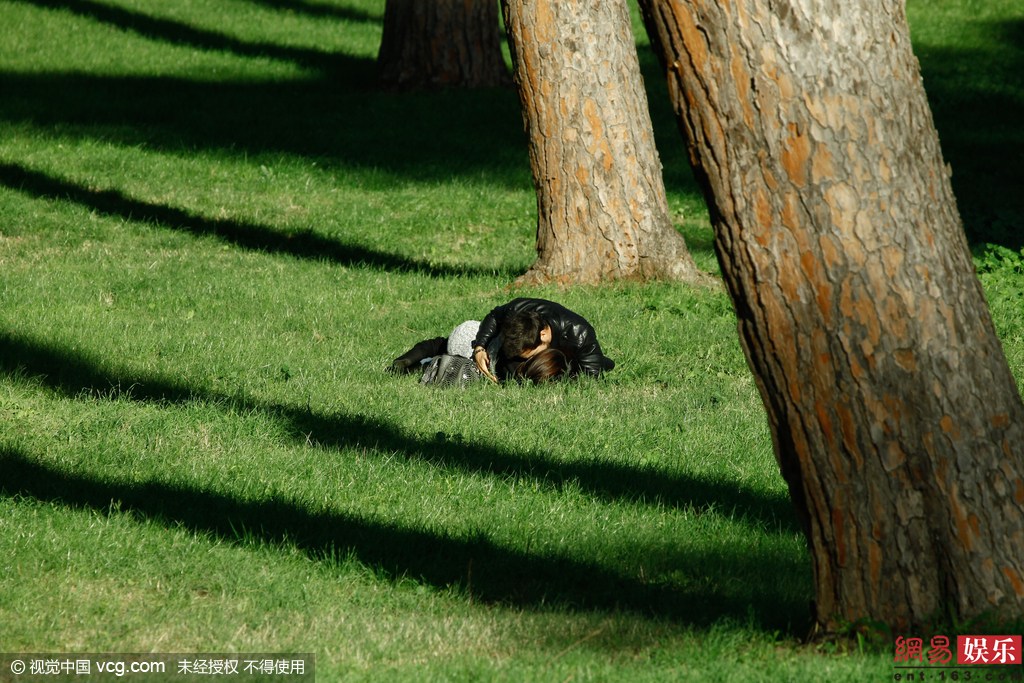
(483, 363)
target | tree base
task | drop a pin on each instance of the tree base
(682, 270)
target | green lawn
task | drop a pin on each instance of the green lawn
(214, 236)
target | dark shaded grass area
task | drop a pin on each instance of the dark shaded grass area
(979, 118)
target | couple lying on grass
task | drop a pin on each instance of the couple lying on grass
(524, 340)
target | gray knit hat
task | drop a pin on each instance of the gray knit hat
(460, 341)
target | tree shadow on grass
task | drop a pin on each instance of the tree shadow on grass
(419, 137)
(480, 568)
(321, 11)
(978, 105)
(71, 374)
(305, 244)
(334, 115)
(177, 33)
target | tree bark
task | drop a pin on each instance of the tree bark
(601, 207)
(441, 44)
(896, 421)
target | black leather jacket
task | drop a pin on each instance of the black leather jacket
(570, 333)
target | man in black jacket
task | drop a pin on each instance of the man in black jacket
(529, 326)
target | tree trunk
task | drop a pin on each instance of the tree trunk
(896, 421)
(601, 207)
(441, 44)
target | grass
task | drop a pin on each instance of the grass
(970, 52)
(215, 234)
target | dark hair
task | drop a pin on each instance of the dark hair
(548, 365)
(521, 332)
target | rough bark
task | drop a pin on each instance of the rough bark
(896, 421)
(602, 211)
(441, 44)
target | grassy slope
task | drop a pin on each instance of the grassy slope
(214, 235)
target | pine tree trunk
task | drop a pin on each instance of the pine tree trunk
(602, 211)
(441, 44)
(896, 421)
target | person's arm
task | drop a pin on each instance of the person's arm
(489, 327)
(482, 360)
(581, 340)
